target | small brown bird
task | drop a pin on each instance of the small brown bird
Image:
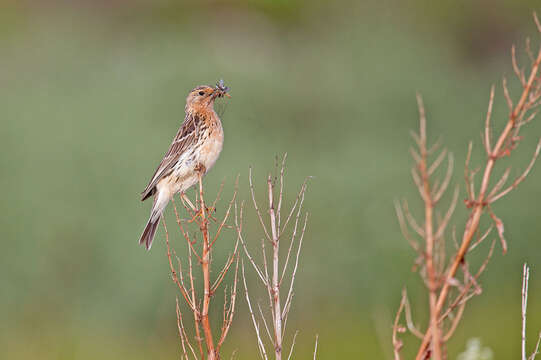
(192, 153)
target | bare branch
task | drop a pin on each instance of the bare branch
(468, 176)
(448, 214)
(176, 280)
(265, 323)
(488, 135)
(397, 328)
(226, 216)
(223, 272)
(519, 179)
(437, 162)
(536, 351)
(299, 198)
(439, 193)
(260, 345)
(279, 209)
(537, 23)
(506, 94)
(293, 345)
(409, 321)
(480, 239)
(293, 235)
(182, 334)
(411, 220)
(525, 278)
(403, 227)
(228, 316)
(518, 72)
(290, 292)
(503, 146)
(256, 208)
(238, 225)
(455, 322)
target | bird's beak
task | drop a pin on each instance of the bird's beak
(219, 93)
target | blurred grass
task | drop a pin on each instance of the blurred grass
(92, 96)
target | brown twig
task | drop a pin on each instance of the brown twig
(397, 328)
(520, 113)
(200, 306)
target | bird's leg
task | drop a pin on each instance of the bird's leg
(200, 169)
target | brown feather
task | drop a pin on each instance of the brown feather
(185, 137)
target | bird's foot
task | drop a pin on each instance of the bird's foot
(208, 214)
(200, 169)
(198, 213)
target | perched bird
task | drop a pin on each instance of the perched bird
(192, 153)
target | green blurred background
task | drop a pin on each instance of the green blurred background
(93, 91)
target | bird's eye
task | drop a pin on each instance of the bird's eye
(201, 93)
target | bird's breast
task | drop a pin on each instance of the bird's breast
(212, 147)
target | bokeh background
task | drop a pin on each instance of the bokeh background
(93, 91)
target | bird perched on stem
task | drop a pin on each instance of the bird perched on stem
(192, 153)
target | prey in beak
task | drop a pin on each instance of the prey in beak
(220, 90)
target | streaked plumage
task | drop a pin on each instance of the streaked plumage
(194, 149)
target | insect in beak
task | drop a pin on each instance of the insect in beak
(221, 90)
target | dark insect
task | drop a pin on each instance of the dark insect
(221, 86)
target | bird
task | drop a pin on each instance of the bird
(194, 150)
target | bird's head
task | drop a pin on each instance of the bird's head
(204, 96)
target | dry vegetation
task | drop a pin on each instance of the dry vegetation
(206, 345)
(274, 274)
(450, 280)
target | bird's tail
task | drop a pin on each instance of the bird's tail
(160, 202)
(149, 232)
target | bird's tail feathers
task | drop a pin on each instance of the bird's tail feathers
(149, 232)
(160, 202)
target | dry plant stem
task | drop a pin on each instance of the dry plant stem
(260, 345)
(205, 267)
(429, 236)
(200, 306)
(271, 272)
(293, 344)
(275, 276)
(397, 328)
(315, 347)
(500, 149)
(525, 278)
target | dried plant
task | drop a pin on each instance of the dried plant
(447, 293)
(525, 279)
(205, 344)
(274, 275)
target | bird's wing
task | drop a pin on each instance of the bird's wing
(186, 136)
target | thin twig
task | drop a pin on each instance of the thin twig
(292, 345)
(260, 345)
(525, 278)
